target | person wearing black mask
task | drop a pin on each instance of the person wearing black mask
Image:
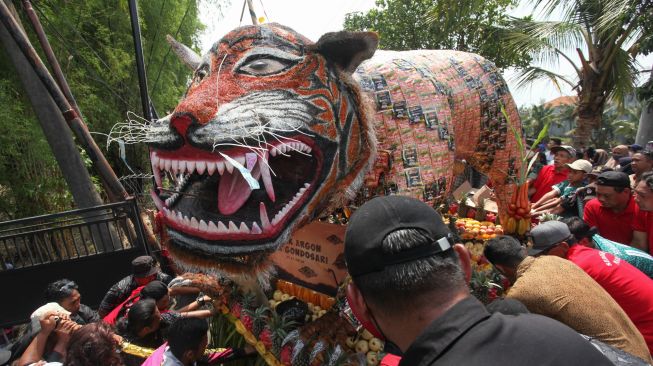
(409, 286)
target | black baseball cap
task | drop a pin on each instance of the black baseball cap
(613, 179)
(144, 266)
(377, 218)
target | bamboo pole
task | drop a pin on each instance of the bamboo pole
(115, 191)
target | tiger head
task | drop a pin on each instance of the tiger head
(271, 132)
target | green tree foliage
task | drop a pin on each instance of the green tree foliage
(93, 42)
(598, 38)
(463, 25)
(535, 118)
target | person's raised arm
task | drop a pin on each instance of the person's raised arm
(547, 197)
(34, 352)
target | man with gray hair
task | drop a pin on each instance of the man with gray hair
(409, 286)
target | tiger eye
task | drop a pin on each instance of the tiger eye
(258, 65)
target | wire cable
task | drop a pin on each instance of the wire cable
(158, 75)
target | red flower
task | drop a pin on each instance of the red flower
(471, 213)
(492, 294)
(247, 322)
(285, 354)
(236, 309)
(266, 338)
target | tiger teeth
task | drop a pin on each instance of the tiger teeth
(210, 227)
(176, 166)
(231, 227)
(181, 171)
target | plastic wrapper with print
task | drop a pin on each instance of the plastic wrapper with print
(434, 109)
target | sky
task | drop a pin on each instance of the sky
(312, 18)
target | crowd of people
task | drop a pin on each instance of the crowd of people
(611, 193)
(581, 288)
(569, 303)
(140, 311)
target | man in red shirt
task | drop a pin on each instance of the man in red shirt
(643, 224)
(628, 286)
(552, 174)
(614, 210)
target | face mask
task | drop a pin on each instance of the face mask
(353, 314)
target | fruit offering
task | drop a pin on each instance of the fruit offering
(518, 220)
(470, 229)
(364, 342)
(314, 311)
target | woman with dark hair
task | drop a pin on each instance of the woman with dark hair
(91, 345)
(66, 293)
(159, 292)
(142, 326)
(589, 237)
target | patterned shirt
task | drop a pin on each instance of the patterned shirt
(638, 258)
(555, 287)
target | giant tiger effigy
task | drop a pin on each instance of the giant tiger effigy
(275, 131)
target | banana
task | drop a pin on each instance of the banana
(511, 225)
(522, 226)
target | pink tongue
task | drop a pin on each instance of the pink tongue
(233, 191)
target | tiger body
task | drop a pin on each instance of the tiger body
(274, 131)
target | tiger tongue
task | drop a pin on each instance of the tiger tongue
(233, 191)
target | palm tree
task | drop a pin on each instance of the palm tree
(626, 123)
(605, 36)
(536, 118)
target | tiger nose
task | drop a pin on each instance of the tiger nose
(180, 124)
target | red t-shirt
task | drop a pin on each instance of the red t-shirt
(545, 180)
(628, 286)
(644, 222)
(614, 226)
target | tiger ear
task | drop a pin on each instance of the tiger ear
(187, 56)
(347, 49)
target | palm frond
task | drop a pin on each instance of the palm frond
(622, 77)
(545, 41)
(615, 15)
(534, 73)
(549, 6)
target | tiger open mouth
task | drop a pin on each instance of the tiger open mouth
(204, 195)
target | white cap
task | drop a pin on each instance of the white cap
(581, 164)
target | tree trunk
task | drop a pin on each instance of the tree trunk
(589, 110)
(54, 126)
(645, 128)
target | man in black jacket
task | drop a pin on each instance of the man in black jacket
(144, 271)
(66, 293)
(410, 287)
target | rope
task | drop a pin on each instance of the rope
(158, 75)
(242, 13)
(156, 34)
(67, 46)
(264, 12)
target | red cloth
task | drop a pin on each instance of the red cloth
(614, 226)
(644, 222)
(390, 360)
(120, 310)
(546, 179)
(628, 286)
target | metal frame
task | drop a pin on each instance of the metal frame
(70, 235)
